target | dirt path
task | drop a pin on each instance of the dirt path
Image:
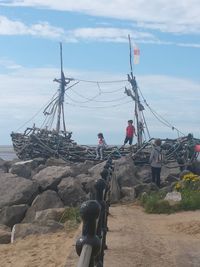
(50, 250)
(139, 239)
(134, 239)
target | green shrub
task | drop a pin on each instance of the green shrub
(190, 200)
(154, 203)
(71, 214)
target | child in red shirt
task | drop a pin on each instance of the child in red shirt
(130, 132)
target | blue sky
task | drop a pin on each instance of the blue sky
(95, 47)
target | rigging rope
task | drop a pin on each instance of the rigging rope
(36, 113)
(159, 117)
(100, 101)
(90, 81)
(117, 105)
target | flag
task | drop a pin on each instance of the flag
(136, 53)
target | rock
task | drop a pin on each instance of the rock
(16, 190)
(50, 177)
(125, 172)
(96, 170)
(143, 173)
(13, 214)
(71, 192)
(22, 169)
(172, 178)
(38, 169)
(173, 198)
(166, 189)
(87, 182)
(6, 165)
(165, 172)
(128, 193)
(56, 162)
(25, 168)
(24, 229)
(82, 168)
(46, 200)
(115, 193)
(5, 234)
(140, 188)
(49, 214)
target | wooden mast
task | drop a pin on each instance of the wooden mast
(135, 96)
(61, 95)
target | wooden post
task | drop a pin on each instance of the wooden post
(89, 212)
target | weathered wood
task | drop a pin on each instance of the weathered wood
(85, 256)
(35, 142)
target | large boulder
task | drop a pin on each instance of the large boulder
(57, 162)
(13, 214)
(55, 214)
(87, 182)
(46, 200)
(25, 168)
(5, 234)
(51, 176)
(22, 169)
(125, 172)
(166, 171)
(82, 167)
(143, 173)
(71, 192)
(96, 170)
(141, 188)
(5, 165)
(128, 194)
(172, 178)
(24, 229)
(16, 190)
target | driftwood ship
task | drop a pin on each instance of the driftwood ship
(57, 142)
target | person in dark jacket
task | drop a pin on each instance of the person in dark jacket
(130, 132)
(156, 162)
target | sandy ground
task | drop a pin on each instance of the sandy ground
(139, 239)
(134, 239)
(50, 250)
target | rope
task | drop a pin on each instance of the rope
(35, 113)
(159, 117)
(99, 107)
(90, 81)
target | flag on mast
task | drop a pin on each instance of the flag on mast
(136, 53)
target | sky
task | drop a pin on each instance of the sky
(94, 36)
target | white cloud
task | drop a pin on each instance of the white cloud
(111, 34)
(8, 64)
(43, 29)
(24, 92)
(101, 34)
(170, 16)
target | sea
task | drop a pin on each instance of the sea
(7, 153)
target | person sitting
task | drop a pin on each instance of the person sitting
(101, 146)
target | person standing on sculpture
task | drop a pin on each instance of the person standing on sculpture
(130, 132)
(101, 146)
